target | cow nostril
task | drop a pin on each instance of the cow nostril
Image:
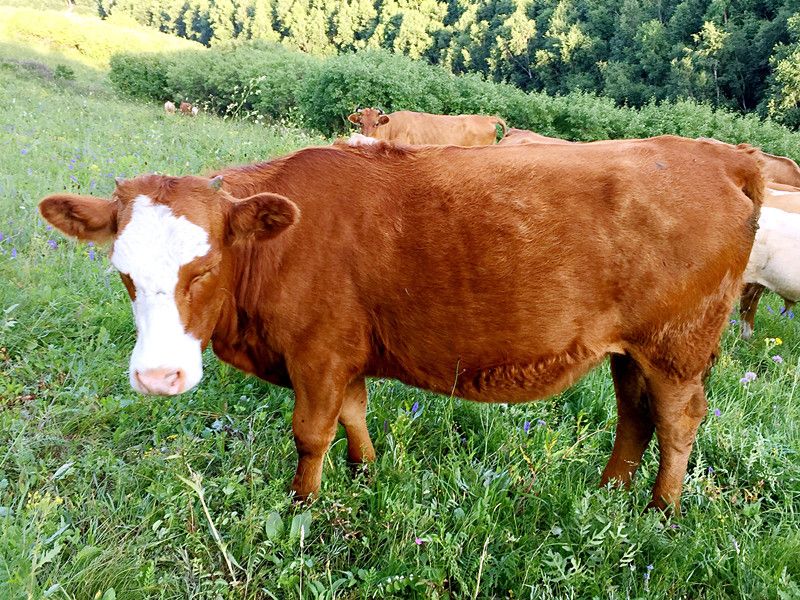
(176, 379)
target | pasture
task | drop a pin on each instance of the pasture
(107, 494)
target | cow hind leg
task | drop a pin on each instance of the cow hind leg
(677, 408)
(748, 304)
(634, 423)
(353, 417)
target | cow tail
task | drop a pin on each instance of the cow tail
(503, 126)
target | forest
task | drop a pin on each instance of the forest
(741, 55)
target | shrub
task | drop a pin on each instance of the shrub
(141, 75)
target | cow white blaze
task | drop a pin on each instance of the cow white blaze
(151, 249)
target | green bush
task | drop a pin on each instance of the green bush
(141, 75)
(271, 81)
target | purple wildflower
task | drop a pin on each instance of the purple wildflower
(647, 573)
(710, 470)
(71, 166)
(48, 228)
(526, 426)
(419, 541)
(91, 253)
(717, 412)
(2, 237)
(733, 321)
(674, 526)
(13, 253)
(90, 244)
(777, 359)
(748, 377)
(540, 422)
(414, 408)
(73, 178)
(24, 151)
(769, 310)
(53, 244)
(30, 171)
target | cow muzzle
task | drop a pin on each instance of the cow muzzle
(160, 382)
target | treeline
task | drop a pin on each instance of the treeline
(270, 82)
(741, 55)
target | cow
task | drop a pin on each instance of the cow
(186, 108)
(195, 110)
(773, 261)
(407, 127)
(169, 107)
(515, 137)
(495, 274)
(776, 169)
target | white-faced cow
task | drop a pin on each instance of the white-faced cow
(497, 274)
(407, 127)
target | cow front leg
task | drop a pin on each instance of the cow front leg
(748, 304)
(316, 412)
(353, 417)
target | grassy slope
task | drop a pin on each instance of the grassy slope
(91, 488)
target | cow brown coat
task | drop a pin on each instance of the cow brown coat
(494, 274)
(408, 127)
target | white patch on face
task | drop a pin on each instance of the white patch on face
(151, 249)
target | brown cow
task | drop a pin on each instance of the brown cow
(417, 128)
(494, 274)
(186, 108)
(776, 169)
(515, 137)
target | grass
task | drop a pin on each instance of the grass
(107, 494)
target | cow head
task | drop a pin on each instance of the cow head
(369, 119)
(171, 241)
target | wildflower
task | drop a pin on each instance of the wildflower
(540, 422)
(419, 541)
(2, 237)
(24, 151)
(30, 171)
(735, 545)
(414, 408)
(91, 253)
(48, 228)
(53, 244)
(73, 178)
(790, 314)
(717, 412)
(526, 426)
(647, 573)
(733, 321)
(777, 359)
(710, 470)
(748, 377)
(778, 341)
(13, 253)
(769, 310)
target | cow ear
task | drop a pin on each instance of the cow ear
(383, 119)
(355, 118)
(261, 216)
(83, 217)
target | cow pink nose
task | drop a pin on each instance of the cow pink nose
(162, 382)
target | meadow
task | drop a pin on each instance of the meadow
(106, 494)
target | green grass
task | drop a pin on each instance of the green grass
(102, 489)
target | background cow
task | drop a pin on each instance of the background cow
(186, 108)
(774, 263)
(494, 274)
(169, 107)
(417, 128)
(515, 136)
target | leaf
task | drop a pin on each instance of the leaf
(274, 526)
(301, 521)
(62, 470)
(110, 594)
